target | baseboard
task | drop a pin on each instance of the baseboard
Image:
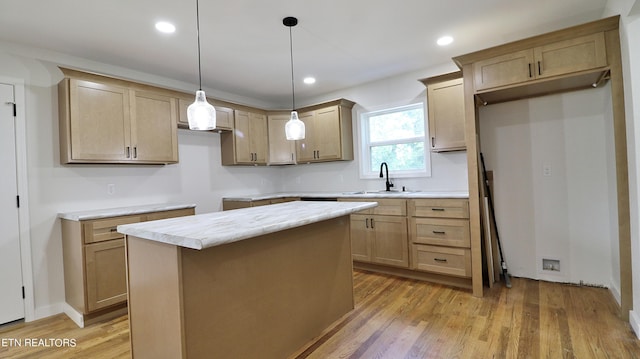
(615, 291)
(634, 320)
(74, 315)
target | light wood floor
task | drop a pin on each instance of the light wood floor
(400, 318)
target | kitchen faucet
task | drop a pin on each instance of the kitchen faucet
(388, 184)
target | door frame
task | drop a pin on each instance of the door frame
(23, 191)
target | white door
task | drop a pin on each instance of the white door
(11, 299)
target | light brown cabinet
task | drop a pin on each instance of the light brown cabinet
(379, 235)
(445, 102)
(329, 134)
(247, 144)
(439, 234)
(554, 59)
(105, 120)
(224, 114)
(94, 260)
(228, 205)
(281, 150)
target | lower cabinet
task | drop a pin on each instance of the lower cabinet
(439, 234)
(423, 238)
(380, 239)
(94, 260)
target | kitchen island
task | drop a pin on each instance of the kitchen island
(250, 283)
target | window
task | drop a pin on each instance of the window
(396, 136)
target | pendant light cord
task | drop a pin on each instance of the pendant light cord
(293, 89)
(198, 35)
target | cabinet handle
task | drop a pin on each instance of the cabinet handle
(438, 209)
(292, 157)
(438, 232)
(128, 151)
(539, 69)
(113, 229)
(433, 141)
(530, 74)
(366, 222)
(318, 154)
(135, 152)
(440, 260)
(372, 223)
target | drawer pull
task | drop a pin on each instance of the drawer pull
(366, 221)
(438, 209)
(438, 232)
(440, 260)
(113, 230)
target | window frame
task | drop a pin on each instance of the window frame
(365, 144)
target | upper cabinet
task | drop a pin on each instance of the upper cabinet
(445, 102)
(224, 113)
(281, 150)
(107, 120)
(329, 134)
(576, 59)
(555, 59)
(247, 144)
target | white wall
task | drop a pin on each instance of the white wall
(448, 170)
(570, 214)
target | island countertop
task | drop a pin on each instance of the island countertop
(217, 228)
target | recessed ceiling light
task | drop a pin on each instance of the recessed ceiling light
(165, 27)
(445, 40)
(309, 80)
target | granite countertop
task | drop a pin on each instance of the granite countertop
(350, 194)
(218, 228)
(121, 211)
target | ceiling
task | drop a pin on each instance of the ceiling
(245, 46)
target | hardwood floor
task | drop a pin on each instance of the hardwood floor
(402, 318)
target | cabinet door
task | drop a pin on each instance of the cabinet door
(259, 143)
(281, 150)
(446, 115)
(154, 127)
(241, 133)
(224, 115)
(327, 134)
(564, 57)
(306, 148)
(99, 122)
(503, 70)
(105, 274)
(390, 241)
(360, 238)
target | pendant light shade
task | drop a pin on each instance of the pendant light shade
(201, 115)
(294, 128)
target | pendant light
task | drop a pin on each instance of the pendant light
(294, 128)
(201, 115)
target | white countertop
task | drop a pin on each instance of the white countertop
(351, 194)
(121, 211)
(218, 228)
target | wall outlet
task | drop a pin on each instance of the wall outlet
(111, 189)
(551, 264)
(546, 169)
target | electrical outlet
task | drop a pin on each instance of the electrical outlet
(111, 189)
(546, 169)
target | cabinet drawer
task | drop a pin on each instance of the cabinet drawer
(106, 229)
(442, 260)
(441, 232)
(439, 207)
(386, 206)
